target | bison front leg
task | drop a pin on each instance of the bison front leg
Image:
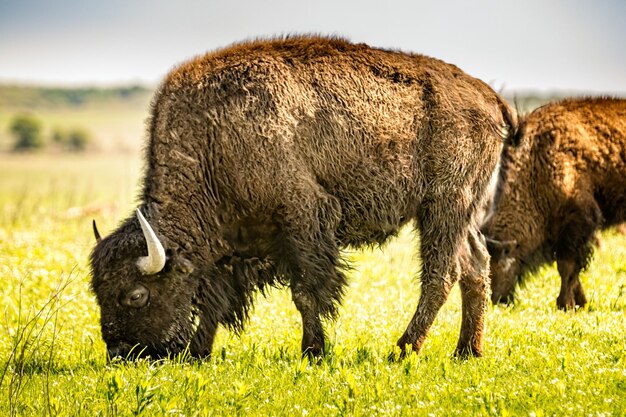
(571, 293)
(310, 258)
(312, 330)
(316, 289)
(474, 283)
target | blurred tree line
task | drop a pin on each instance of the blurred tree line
(43, 97)
(27, 131)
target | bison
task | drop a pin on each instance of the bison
(566, 181)
(267, 157)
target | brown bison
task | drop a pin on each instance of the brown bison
(565, 181)
(265, 158)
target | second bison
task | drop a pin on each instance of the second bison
(565, 181)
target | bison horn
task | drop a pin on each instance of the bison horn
(95, 231)
(155, 261)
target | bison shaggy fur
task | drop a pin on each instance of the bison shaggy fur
(565, 181)
(267, 157)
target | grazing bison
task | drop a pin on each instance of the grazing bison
(565, 182)
(265, 158)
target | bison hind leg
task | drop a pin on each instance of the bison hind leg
(474, 284)
(443, 231)
(574, 249)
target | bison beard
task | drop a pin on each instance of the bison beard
(264, 159)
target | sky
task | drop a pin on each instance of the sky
(514, 45)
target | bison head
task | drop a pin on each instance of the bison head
(504, 269)
(146, 292)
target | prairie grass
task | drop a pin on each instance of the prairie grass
(538, 360)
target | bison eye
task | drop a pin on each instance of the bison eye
(136, 298)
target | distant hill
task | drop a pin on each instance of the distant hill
(30, 97)
(114, 117)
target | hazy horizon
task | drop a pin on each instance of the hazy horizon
(574, 46)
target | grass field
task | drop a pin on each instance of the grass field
(538, 361)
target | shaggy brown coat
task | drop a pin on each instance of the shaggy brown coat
(267, 157)
(564, 182)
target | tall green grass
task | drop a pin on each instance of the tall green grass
(538, 360)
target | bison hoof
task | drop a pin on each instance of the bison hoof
(403, 349)
(567, 305)
(396, 355)
(468, 352)
(580, 299)
(313, 352)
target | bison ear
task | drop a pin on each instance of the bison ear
(178, 263)
(183, 265)
(500, 248)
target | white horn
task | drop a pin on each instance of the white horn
(155, 261)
